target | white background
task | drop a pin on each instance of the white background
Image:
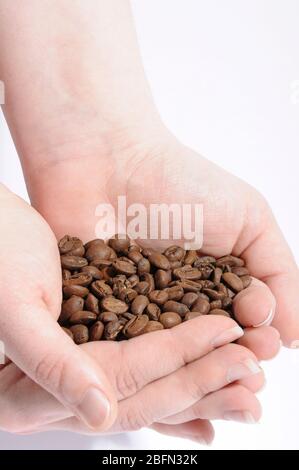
(224, 75)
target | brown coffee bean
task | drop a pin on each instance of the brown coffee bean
(101, 263)
(231, 261)
(173, 306)
(73, 263)
(187, 273)
(93, 271)
(80, 291)
(124, 267)
(96, 331)
(233, 281)
(143, 266)
(226, 303)
(206, 284)
(107, 317)
(96, 241)
(202, 260)
(191, 315)
(80, 333)
(174, 253)
(135, 256)
(217, 304)
(203, 296)
(240, 271)
(120, 243)
(191, 257)
(201, 305)
(127, 295)
(92, 304)
(139, 304)
(82, 317)
(159, 261)
(71, 246)
(189, 299)
(153, 312)
(189, 286)
(217, 276)
(69, 307)
(246, 280)
(149, 278)
(175, 293)
(68, 332)
(133, 280)
(112, 330)
(127, 315)
(78, 279)
(219, 312)
(158, 297)
(147, 252)
(99, 251)
(136, 326)
(142, 288)
(213, 294)
(152, 326)
(175, 264)
(66, 274)
(170, 319)
(111, 304)
(162, 278)
(101, 289)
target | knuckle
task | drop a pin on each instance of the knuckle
(50, 370)
(134, 419)
(129, 378)
(196, 386)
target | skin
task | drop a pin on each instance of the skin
(89, 131)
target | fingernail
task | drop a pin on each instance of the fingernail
(227, 336)
(243, 370)
(295, 344)
(240, 417)
(94, 408)
(268, 320)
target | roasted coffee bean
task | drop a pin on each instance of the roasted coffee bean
(203, 296)
(127, 295)
(73, 263)
(135, 256)
(149, 278)
(191, 315)
(189, 299)
(153, 311)
(246, 280)
(101, 289)
(106, 317)
(159, 261)
(204, 260)
(142, 288)
(233, 281)
(127, 315)
(226, 303)
(213, 294)
(219, 312)
(191, 257)
(143, 266)
(66, 274)
(139, 304)
(175, 293)
(217, 276)
(174, 253)
(78, 279)
(136, 326)
(68, 332)
(162, 278)
(217, 304)
(189, 286)
(96, 241)
(111, 304)
(112, 330)
(173, 306)
(69, 307)
(74, 289)
(206, 271)
(99, 251)
(240, 271)
(147, 252)
(152, 326)
(175, 264)
(101, 263)
(83, 317)
(124, 267)
(187, 273)
(71, 246)
(201, 305)
(170, 319)
(80, 333)
(158, 297)
(94, 272)
(92, 304)
(133, 280)
(96, 331)
(206, 284)
(231, 261)
(119, 243)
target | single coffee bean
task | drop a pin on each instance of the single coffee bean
(96, 331)
(80, 333)
(124, 267)
(206, 271)
(213, 294)
(96, 241)
(191, 257)
(189, 286)
(159, 261)
(153, 312)
(100, 251)
(112, 330)
(217, 304)
(187, 273)
(203, 296)
(204, 260)
(246, 280)
(101, 263)
(101, 289)
(191, 315)
(133, 280)
(174, 253)
(114, 305)
(240, 271)
(127, 315)
(120, 243)
(175, 293)
(147, 252)
(170, 319)
(107, 317)
(72, 263)
(69, 307)
(153, 326)
(136, 326)
(189, 299)
(219, 312)
(142, 288)
(74, 289)
(71, 246)
(206, 284)
(139, 304)
(66, 274)
(82, 317)
(201, 305)
(135, 256)
(149, 278)
(233, 281)
(92, 304)
(217, 276)
(173, 306)
(175, 264)
(68, 332)
(93, 271)
(127, 295)
(231, 261)
(143, 266)
(78, 279)
(162, 278)
(158, 297)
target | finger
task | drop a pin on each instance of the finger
(264, 342)
(270, 259)
(185, 387)
(233, 403)
(198, 430)
(255, 306)
(149, 357)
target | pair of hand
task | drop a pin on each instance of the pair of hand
(176, 380)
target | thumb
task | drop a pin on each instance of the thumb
(37, 344)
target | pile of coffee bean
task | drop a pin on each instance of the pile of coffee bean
(117, 290)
